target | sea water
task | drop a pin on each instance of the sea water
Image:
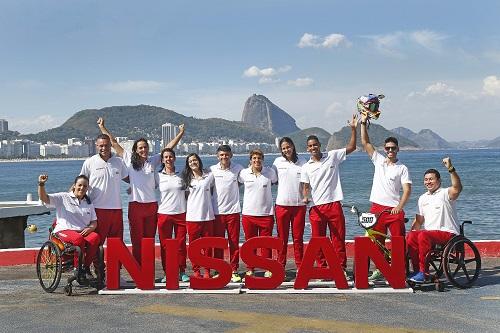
(479, 201)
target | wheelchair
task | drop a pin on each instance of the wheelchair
(56, 257)
(459, 260)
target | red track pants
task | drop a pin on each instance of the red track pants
(231, 223)
(167, 226)
(142, 221)
(294, 217)
(420, 242)
(88, 244)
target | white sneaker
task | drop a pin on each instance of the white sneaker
(123, 282)
(268, 274)
(376, 275)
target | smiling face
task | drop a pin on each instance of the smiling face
(194, 163)
(431, 182)
(391, 150)
(80, 188)
(142, 149)
(256, 162)
(314, 147)
(103, 147)
(168, 158)
(287, 150)
(224, 158)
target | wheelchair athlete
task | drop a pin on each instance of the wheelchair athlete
(76, 219)
(436, 221)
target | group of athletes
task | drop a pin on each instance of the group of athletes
(199, 202)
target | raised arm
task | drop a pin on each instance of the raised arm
(177, 138)
(456, 184)
(116, 146)
(365, 140)
(42, 194)
(351, 146)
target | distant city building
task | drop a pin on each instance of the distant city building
(168, 132)
(4, 125)
(50, 149)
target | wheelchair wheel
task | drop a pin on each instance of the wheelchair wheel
(48, 266)
(435, 263)
(461, 262)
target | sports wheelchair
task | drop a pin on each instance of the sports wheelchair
(56, 257)
(459, 260)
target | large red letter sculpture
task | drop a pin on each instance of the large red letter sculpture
(249, 256)
(197, 258)
(307, 270)
(394, 273)
(143, 275)
(172, 269)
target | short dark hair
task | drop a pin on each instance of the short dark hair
(224, 148)
(434, 171)
(256, 151)
(103, 136)
(312, 137)
(392, 139)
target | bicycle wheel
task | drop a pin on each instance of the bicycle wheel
(462, 263)
(48, 266)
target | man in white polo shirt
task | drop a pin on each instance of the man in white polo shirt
(321, 184)
(436, 221)
(105, 172)
(258, 209)
(226, 203)
(389, 178)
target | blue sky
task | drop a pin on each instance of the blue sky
(438, 62)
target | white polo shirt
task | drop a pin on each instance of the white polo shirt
(143, 182)
(388, 179)
(439, 211)
(172, 195)
(289, 174)
(199, 201)
(324, 177)
(104, 180)
(226, 196)
(258, 198)
(71, 213)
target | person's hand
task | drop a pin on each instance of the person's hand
(42, 179)
(306, 200)
(364, 116)
(354, 121)
(86, 231)
(181, 128)
(100, 122)
(447, 163)
(396, 210)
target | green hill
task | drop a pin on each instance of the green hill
(299, 137)
(145, 121)
(377, 134)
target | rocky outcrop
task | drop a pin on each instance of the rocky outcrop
(260, 112)
(426, 138)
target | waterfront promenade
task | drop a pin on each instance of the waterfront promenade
(26, 307)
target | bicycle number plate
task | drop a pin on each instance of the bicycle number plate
(367, 220)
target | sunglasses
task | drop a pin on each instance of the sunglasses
(391, 148)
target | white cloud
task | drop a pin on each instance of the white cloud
(34, 125)
(396, 43)
(428, 39)
(134, 86)
(301, 82)
(491, 86)
(265, 75)
(332, 40)
(438, 88)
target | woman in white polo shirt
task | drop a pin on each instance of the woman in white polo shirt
(290, 205)
(142, 207)
(76, 218)
(172, 210)
(258, 211)
(200, 216)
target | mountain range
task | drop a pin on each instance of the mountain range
(262, 121)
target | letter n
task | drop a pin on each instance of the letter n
(117, 253)
(365, 250)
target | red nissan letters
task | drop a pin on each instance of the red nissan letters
(143, 273)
